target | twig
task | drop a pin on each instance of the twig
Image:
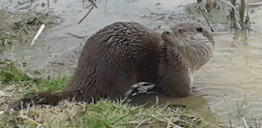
(226, 2)
(206, 20)
(92, 2)
(86, 14)
(76, 35)
(48, 4)
(40, 30)
(87, 6)
(138, 126)
(29, 119)
(243, 118)
(247, 21)
(94, 5)
(242, 12)
(181, 3)
(22, 3)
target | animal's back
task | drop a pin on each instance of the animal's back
(114, 59)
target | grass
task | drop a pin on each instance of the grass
(104, 114)
(10, 74)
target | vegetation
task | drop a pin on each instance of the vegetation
(104, 114)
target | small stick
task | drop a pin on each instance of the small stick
(48, 4)
(206, 20)
(76, 35)
(40, 30)
(88, 6)
(242, 12)
(243, 118)
(226, 2)
(86, 14)
(181, 3)
(92, 1)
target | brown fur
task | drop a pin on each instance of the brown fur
(118, 56)
(192, 46)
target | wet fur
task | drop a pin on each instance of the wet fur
(192, 47)
(118, 56)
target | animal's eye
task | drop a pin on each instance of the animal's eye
(199, 29)
(180, 30)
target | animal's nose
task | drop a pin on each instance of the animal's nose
(166, 32)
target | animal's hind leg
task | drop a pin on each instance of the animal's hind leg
(120, 85)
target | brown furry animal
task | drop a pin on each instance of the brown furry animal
(125, 53)
(192, 46)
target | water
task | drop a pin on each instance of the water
(230, 85)
(232, 82)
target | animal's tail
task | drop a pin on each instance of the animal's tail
(47, 98)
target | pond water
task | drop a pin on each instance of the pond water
(231, 82)
(230, 85)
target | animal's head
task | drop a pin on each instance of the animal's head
(192, 32)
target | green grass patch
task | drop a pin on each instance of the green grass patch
(53, 84)
(10, 74)
(43, 85)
